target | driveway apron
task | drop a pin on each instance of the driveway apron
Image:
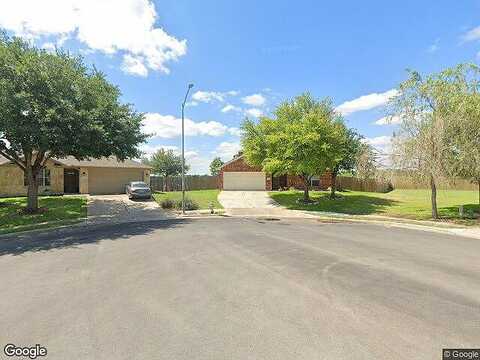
(119, 208)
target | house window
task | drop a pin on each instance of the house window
(315, 180)
(43, 178)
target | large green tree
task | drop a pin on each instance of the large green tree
(301, 139)
(167, 164)
(348, 147)
(215, 166)
(53, 105)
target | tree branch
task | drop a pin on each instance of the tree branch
(46, 158)
(39, 157)
(12, 156)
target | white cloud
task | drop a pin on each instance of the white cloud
(191, 103)
(472, 35)
(226, 150)
(366, 102)
(254, 100)
(254, 112)
(389, 120)
(49, 46)
(198, 164)
(381, 143)
(109, 26)
(235, 131)
(151, 149)
(168, 126)
(211, 96)
(230, 107)
(134, 65)
(208, 96)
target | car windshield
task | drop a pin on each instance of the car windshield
(138, 184)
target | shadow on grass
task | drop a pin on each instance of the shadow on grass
(350, 204)
(73, 237)
(471, 211)
(54, 209)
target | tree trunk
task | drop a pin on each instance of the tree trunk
(165, 185)
(306, 188)
(32, 190)
(478, 192)
(333, 187)
(433, 186)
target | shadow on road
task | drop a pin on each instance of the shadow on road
(59, 239)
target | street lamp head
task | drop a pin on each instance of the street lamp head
(190, 86)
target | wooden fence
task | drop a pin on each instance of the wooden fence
(356, 184)
(405, 182)
(400, 182)
(192, 182)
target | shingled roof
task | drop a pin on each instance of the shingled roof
(110, 162)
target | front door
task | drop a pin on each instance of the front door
(71, 181)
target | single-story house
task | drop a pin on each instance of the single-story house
(71, 176)
(238, 175)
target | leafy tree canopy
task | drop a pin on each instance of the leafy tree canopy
(167, 163)
(303, 138)
(53, 105)
(215, 166)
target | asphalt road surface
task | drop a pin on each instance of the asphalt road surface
(240, 289)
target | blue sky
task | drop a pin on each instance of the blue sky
(244, 57)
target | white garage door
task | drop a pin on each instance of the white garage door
(243, 181)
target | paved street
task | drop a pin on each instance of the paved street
(240, 289)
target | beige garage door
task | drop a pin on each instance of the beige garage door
(244, 181)
(111, 181)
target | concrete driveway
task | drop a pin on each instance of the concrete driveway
(246, 200)
(236, 288)
(119, 208)
(255, 203)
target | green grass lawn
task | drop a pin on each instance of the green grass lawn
(201, 197)
(59, 209)
(413, 204)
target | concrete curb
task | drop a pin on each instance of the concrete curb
(80, 222)
(469, 232)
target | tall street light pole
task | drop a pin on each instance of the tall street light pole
(183, 147)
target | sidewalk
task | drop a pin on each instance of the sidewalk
(280, 212)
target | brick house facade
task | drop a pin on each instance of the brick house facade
(238, 164)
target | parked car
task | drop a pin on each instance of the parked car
(138, 190)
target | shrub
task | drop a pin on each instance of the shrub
(168, 204)
(189, 204)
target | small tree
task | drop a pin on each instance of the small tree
(348, 148)
(215, 166)
(53, 105)
(167, 164)
(366, 162)
(145, 160)
(427, 107)
(300, 140)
